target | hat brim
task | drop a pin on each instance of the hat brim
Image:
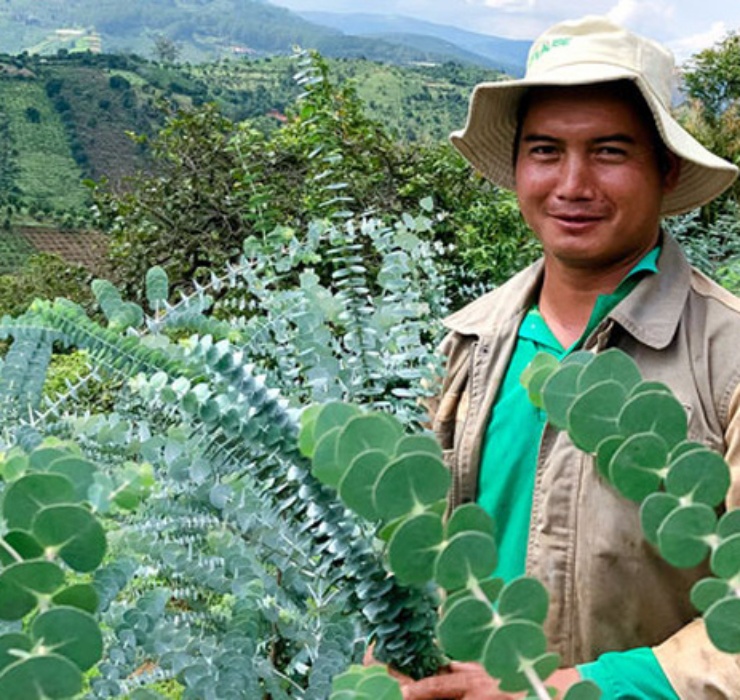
(487, 141)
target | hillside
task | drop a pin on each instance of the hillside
(508, 55)
(207, 30)
(68, 118)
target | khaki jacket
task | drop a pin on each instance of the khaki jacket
(609, 589)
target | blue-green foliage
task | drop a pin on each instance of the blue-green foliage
(637, 431)
(230, 568)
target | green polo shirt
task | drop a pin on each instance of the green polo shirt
(507, 475)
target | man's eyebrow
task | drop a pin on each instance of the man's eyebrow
(608, 138)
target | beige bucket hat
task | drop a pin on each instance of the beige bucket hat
(581, 52)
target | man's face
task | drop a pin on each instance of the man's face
(587, 177)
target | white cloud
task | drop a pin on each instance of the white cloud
(641, 15)
(686, 46)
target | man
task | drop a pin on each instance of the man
(588, 143)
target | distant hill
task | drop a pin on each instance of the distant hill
(508, 55)
(206, 30)
(67, 118)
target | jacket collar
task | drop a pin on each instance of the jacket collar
(651, 313)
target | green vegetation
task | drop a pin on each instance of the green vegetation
(207, 30)
(309, 264)
(47, 177)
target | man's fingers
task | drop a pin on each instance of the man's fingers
(449, 687)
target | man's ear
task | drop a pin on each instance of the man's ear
(672, 166)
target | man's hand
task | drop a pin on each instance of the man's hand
(464, 681)
(469, 681)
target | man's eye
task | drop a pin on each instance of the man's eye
(611, 152)
(543, 150)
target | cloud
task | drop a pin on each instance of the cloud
(641, 15)
(685, 47)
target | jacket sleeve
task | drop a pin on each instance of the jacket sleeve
(696, 669)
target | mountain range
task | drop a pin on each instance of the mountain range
(206, 30)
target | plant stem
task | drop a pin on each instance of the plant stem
(537, 685)
(10, 551)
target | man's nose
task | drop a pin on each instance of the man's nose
(575, 179)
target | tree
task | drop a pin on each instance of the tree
(712, 111)
(165, 49)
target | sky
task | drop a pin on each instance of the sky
(685, 26)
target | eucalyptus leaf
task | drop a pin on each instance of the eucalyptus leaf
(559, 393)
(25, 497)
(22, 543)
(82, 596)
(583, 690)
(685, 447)
(47, 677)
(418, 443)
(409, 482)
(725, 560)
(512, 645)
(71, 633)
(357, 485)
(536, 382)
(610, 365)
(464, 629)
(655, 412)
(723, 625)
(41, 458)
(465, 556)
(542, 667)
(729, 523)
(12, 643)
(708, 591)
(334, 414)
(593, 416)
(523, 599)
(541, 361)
(78, 470)
(23, 584)
(638, 464)
(605, 452)
(702, 475)
(326, 467)
(413, 548)
(74, 532)
(683, 536)
(467, 517)
(653, 511)
(367, 432)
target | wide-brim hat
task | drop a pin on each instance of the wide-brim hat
(584, 52)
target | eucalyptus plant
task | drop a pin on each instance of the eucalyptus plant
(637, 432)
(399, 481)
(50, 544)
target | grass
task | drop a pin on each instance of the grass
(48, 175)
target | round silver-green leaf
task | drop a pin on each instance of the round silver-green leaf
(636, 468)
(701, 474)
(523, 599)
(465, 556)
(408, 482)
(71, 633)
(655, 412)
(653, 511)
(593, 416)
(358, 483)
(683, 536)
(74, 532)
(723, 625)
(413, 548)
(465, 628)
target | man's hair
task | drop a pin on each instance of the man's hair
(623, 89)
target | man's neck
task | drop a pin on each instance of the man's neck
(568, 296)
